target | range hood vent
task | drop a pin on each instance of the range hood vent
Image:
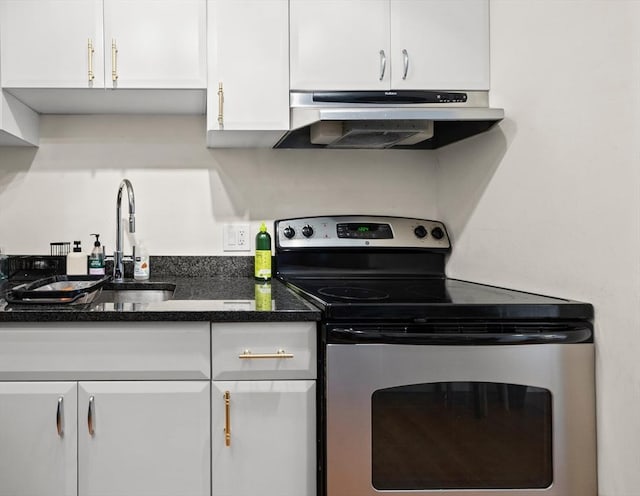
(386, 119)
(369, 134)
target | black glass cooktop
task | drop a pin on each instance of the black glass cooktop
(430, 298)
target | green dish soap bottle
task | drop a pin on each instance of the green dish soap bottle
(263, 254)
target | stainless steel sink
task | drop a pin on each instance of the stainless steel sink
(136, 293)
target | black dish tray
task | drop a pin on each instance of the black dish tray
(58, 290)
(28, 268)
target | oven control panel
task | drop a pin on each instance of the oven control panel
(348, 231)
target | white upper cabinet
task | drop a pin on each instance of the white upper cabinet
(19, 125)
(155, 43)
(440, 44)
(49, 47)
(248, 93)
(47, 43)
(389, 44)
(339, 44)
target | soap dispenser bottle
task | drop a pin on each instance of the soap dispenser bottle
(141, 263)
(96, 259)
(77, 261)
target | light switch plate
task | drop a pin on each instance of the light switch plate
(235, 237)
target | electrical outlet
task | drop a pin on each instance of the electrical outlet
(242, 236)
(235, 237)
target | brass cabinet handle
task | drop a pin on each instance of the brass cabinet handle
(114, 61)
(405, 59)
(60, 417)
(90, 51)
(383, 64)
(90, 416)
(278, 354)
(220, 105)
(227, 418)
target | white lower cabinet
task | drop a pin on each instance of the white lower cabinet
(105, 438)
(263, 409)
(103, 408)
(38, 442)
(143, 438)
(264, 438)
(158, 409)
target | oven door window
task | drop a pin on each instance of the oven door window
(461, 435)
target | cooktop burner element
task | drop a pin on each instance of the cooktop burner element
(373, 290)
(353, 293)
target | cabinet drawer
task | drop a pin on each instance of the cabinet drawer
(105, 351)
(273, 350)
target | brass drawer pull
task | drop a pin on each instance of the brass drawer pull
(227, 417)
(114, 61)
(90, 51)
(220, 105)
(278, 354)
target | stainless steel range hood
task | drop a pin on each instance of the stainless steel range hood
(387, 119)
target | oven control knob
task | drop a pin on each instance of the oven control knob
(289, 232)
(437, 233)
(307, 231)
(420, 231)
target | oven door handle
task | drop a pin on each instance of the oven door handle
(355, 336)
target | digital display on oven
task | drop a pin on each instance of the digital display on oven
(364, 231)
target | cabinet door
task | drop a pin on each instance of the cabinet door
(159, 43)
(336, 44)
(45, 43)
(144, 438)
(249, 55)
(38, 439)
(446, 44)
(271, 449)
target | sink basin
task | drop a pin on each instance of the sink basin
(136, 293)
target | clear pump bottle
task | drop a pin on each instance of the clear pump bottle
(96, 258)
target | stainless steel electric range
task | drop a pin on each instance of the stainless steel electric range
(435, 385)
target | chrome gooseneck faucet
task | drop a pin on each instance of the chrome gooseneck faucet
(118, 257)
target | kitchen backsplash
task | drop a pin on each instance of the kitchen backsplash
(185, 193)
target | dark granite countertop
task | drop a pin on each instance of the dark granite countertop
(215, 297)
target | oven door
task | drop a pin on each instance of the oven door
(460, 419)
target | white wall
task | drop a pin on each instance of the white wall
(550, 201)
(66, 189)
